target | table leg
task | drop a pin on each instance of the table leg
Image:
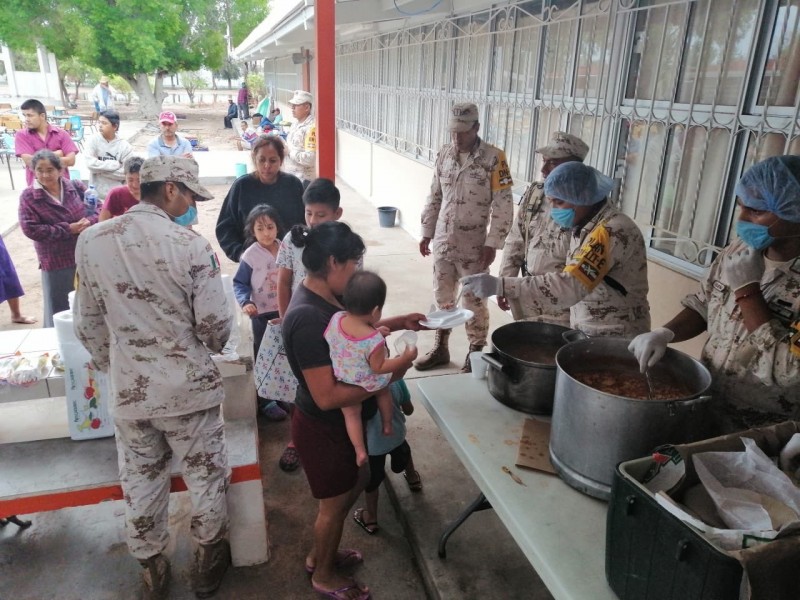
(10, 174)
(480, 503)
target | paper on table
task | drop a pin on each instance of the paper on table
(534, 446)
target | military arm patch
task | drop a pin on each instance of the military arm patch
(795, 341)
(592, 262)
(501, 176)
(310, 143)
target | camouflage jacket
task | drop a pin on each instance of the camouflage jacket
(466, 200)
(150, 309)
(604, 282)
(301, 150)
(755, 376)
(534, 246)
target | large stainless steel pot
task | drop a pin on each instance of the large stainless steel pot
(522, 369)
(592, 431)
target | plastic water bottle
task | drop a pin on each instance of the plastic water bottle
(90, 199)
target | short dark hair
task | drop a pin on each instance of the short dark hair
(262, 141)
(259, 212)
(364, 292)
(153, 190)
(34, 104)
(330, 239)
(132, 164)
(259, 115)
(111, 115)
(322, 191)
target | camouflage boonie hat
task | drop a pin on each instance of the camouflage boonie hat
(176, 169)
(463, 117)
(564, 145)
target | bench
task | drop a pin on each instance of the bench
(44, 470)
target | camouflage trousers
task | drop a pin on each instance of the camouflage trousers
(146, 448)
(446, 274)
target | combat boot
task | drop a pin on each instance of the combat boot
(467, 368)
(156, 578)
(211, 562)
(439, 354)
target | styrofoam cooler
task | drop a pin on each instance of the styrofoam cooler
(87, 389)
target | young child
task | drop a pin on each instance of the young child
(321, 200)
(359, 353)
(256, 282)
(248, 135)
(381, 446)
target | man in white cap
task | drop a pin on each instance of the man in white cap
(536, 244)
(604, 281)
(467, 217)
(102, 95)
(168, 142)
(301, 141)
(150, 309)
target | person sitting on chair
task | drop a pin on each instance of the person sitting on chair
(233, 111)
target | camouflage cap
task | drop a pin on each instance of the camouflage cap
(564, 145)
(463, 117)
(176, 169)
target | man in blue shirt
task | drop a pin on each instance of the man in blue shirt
(169, 143)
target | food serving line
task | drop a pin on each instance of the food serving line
(44, 470)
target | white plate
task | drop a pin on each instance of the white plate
(445, 319)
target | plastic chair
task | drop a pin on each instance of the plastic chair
(77, 137)
(90, 122)
(76, 122)
(7, 151)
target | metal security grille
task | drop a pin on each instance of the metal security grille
(281, 76)
(675, 98)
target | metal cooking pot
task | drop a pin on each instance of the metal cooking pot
(593, 431)
(522, 369)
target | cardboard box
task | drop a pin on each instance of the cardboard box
(653, 555)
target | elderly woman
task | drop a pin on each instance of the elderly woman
(52, 214)
(123, 197)
(331, 253)
(267, 185)
(604, 282)
(749, 303)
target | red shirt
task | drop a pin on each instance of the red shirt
(28, 142)
(119, 200)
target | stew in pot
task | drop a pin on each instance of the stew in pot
(633, 385)
(543, 353)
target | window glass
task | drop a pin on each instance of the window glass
(588, 128)
(526, 50)
(779, 85)
(559, 53)
(593, 56)
(641, 154)
(502, 52)
(548, 122)
(472, 47)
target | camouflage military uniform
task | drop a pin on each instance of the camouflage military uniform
(755, 376)
(464, 201)
(604, 281)
(301, 150)
(150, 308)
(534, 246)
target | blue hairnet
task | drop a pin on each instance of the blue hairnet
(772, 185)
(578, 184)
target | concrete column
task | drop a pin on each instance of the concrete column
(11, 72)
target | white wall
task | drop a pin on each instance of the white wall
(386, 178)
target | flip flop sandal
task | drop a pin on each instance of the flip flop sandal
(289, 460)
(415, 484)
(371, 527)
(341, 593)
(345, 558)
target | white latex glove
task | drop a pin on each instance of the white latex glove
(743, 268)
(648, 348)
(482, 285)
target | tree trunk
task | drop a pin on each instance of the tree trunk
(64, 92)
(77, 89)
(230, 85)
(149, 100)
(213, 81)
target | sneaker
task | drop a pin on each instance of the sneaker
(272, 412)
(290, 459)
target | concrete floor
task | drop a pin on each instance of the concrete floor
(80, 553)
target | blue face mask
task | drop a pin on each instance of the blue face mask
(753, 234)
(564, 217)
(187, 218)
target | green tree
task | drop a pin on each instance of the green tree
(122, 86)
(191, 82)
(230, 70)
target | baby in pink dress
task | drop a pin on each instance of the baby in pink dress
(359, 353)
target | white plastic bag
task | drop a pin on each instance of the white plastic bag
(749, 491)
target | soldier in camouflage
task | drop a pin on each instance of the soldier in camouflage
(150, 309)
(467, 217)
(301, 141)
(604, 280)
(749, 303)
(536, 244)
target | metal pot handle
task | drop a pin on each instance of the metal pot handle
(504, 369)
(574, 335)
(690, 405)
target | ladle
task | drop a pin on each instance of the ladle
(649, 384)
